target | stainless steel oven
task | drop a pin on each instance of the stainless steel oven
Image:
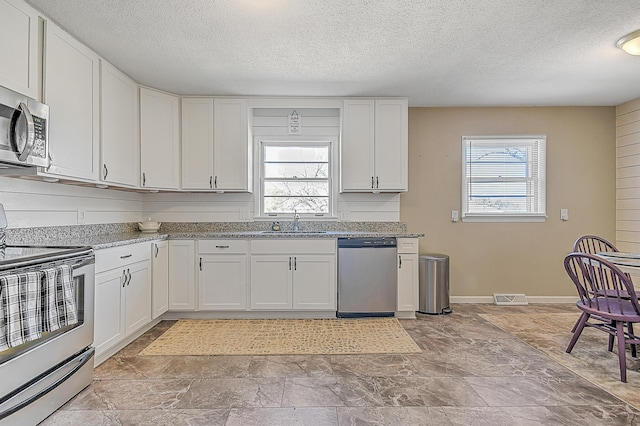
(50, 367)
(24, 130)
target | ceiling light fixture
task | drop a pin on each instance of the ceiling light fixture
(630, 43)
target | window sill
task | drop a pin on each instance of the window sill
(533, 218)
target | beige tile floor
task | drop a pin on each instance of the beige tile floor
(470, 373)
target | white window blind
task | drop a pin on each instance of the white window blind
(296, 176)
(504, 178)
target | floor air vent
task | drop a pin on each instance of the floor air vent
(510, 299)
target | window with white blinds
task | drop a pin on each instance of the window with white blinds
(296, 177)
(503, 179)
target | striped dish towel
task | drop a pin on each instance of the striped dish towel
(58, 298)
(20, 309)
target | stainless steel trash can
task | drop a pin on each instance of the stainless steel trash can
(434, 284)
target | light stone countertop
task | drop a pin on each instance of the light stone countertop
(106, 236)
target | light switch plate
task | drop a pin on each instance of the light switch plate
(564, 214)
(82, 213)
(454, 215)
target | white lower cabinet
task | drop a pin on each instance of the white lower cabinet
(293, 274)
(159, 278)
(182, 282)
(222, 274)
(123, 294)
(407, 264)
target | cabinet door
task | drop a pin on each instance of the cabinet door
(109, 304)
(71, 89)
(407, 282)
(391, 145)
(138, 296)
(197, 143)
(159, 278)
(314, 282)
(223, 282)
(271, 282)
(159, 140)
(119, 143)
(19, 47)
(357, 146)
(182, 283)
(230, 145)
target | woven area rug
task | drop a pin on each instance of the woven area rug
(550, 334)
(283, 337)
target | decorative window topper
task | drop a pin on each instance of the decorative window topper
(294, 123)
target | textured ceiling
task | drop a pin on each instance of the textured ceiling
(435, 52)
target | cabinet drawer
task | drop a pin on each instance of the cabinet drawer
(115, 257)
(302, 245)
(407, 245)
(223, 246)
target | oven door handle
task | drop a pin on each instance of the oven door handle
(88, 355)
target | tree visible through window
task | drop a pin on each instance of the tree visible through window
(296, 177)
(503, 177)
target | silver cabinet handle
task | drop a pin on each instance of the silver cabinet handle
(295, 263)
(400, 263)
(371, 182)
(106, 170)
(24, 151)
(210, 181)
(128, 279)
(126, 256)
(222, 247)
(144, 178)
(215, 182)
(377, 183)
(124, 278)
(157, 249)
(289, 262)
(201, 264)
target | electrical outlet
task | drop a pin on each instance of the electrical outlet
(454, 215)
(564, 214)
(345, 215)
(81, 216)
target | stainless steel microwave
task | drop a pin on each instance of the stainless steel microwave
(24, 130)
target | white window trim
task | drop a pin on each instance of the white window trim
(258, 170)
(500, 217)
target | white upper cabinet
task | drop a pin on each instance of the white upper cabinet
(230, 145)
(19, 49)
(215, 145)
(197, 143)
(159, 140)
(71, 89)
(119, 143)
(374, 146)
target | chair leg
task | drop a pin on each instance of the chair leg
(578, 330)
(611, 339)
(633, 345)
(622, 355)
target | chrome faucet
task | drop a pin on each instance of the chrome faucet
(296, 218)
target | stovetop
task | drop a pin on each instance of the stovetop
(13, 255)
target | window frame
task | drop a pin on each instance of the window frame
(261, 141)
(539, 182)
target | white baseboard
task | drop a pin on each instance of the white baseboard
(531, 299)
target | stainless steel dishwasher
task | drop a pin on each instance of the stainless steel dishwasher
(367, 277)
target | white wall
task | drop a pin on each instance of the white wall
(30, 203)
(628, 176)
